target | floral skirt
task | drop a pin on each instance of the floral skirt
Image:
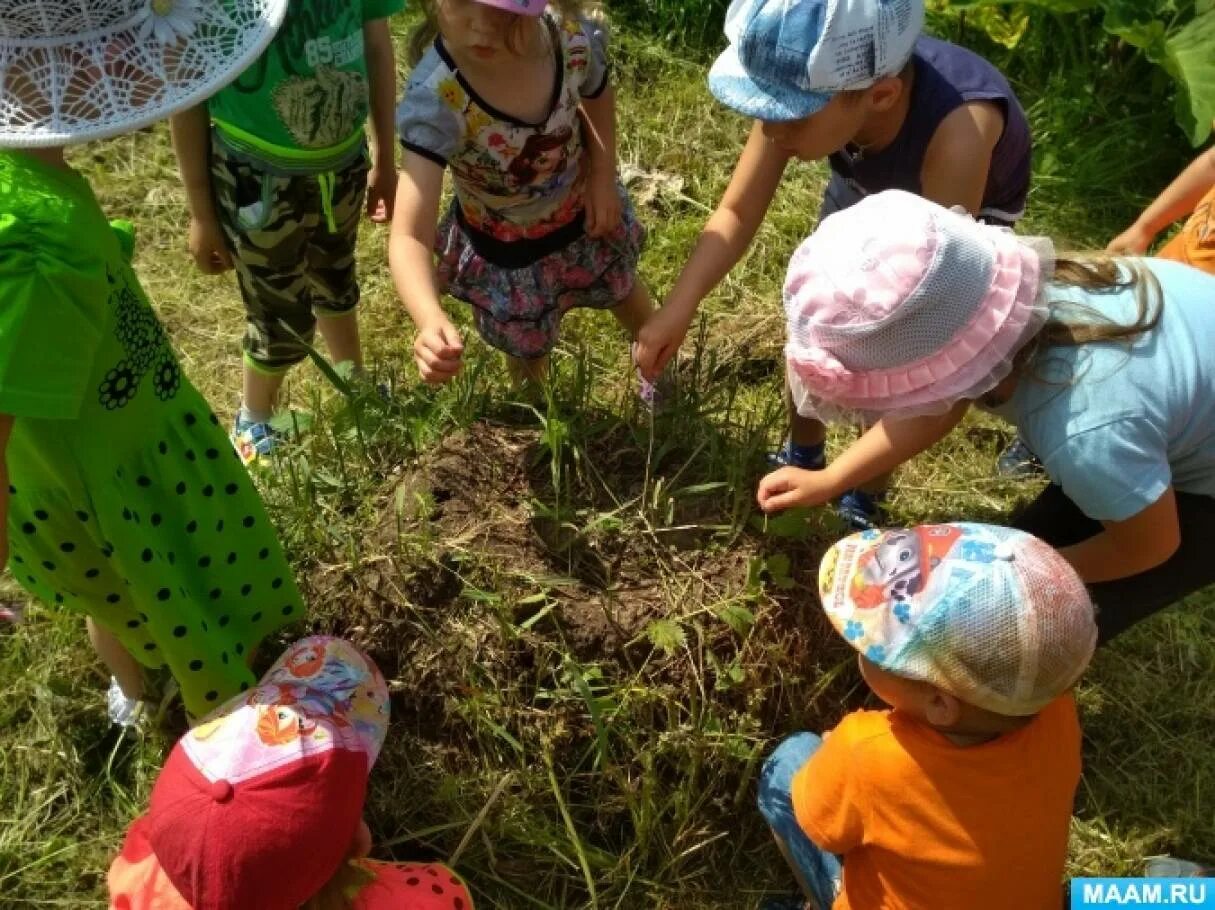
(519, 310)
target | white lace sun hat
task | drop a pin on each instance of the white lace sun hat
(76, 70)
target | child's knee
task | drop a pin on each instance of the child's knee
(524, 369)
(775, 798)
(275, 340)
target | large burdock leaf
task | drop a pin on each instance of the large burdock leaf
(1190, 59)
(1136, 23)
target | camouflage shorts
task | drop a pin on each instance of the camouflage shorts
(290, 266)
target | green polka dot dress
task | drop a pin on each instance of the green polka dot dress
(126, 500)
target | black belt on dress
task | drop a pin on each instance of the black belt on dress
(518, 254)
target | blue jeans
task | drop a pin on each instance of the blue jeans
(819, 869)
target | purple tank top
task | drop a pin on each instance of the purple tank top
(946, 77)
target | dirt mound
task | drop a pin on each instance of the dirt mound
(608, 612)
(482, 495)
(489, 574)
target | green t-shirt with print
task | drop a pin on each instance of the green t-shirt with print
(302, 105)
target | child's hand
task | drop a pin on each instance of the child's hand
(785, 488)
(207, 246)
(602, 204)
(381, 193)
(438, 351)
(1134, 241)
(659, 339)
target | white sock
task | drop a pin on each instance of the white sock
(246, 415)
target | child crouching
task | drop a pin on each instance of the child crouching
(261, 805)
(958, 796)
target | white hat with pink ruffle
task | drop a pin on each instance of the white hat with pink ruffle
(899, 307)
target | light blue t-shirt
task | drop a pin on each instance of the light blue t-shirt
(1122, 423)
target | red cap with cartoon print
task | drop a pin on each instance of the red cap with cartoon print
(258, 805)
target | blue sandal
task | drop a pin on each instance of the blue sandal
(861, 511)
(808, 458)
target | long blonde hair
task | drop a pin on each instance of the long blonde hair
(1097, 273)
(425, 33)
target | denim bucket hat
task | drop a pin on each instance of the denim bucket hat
(788, 57)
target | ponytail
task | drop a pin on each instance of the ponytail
(1096, 273)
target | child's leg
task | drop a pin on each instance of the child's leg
(817, 871)
(1126, 601)
(635, 309)
(803, 431)
(331, 264)
(266, 223)
(1054, 518)
(259, 392)
(807, 437)
(122, 666)
(341, 334)
(799, 876)
(523, 371)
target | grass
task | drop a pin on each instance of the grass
(591, 637)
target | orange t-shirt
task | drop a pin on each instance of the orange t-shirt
(924, 824)
(1194, 244)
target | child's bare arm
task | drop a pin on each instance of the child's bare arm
(1125, 548)
(958, 158)
(1177, 201)
(437, 347)
(191, 131)
(881, 449)
(602, 201)
(382, 92)
(724, 240)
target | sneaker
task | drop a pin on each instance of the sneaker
(808, 458)
(860, 511)
(1172, 867)
(254, 441)
(1017, 460)
(124, 712)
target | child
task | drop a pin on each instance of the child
(516, 101)
(261, 805)
(906, 313)
(277, 188)
(958, 796)
(854, 82)
(1191, 194)
(123, 499)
